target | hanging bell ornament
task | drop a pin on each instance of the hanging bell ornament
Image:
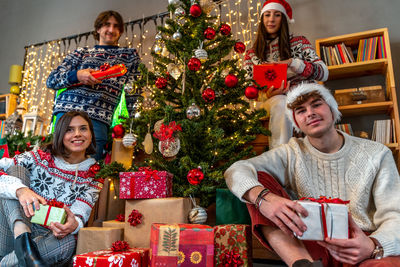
(177, 36)
(179, 12)
(193, 112)
(129, 140)
(197, 215)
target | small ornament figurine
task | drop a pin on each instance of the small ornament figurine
(177, 36)
(195, 10)
(200, 53)
(118, 131)
(195, 176)
(161, 83)
(179, 12)
(129, 140)
(231, 80)
(193, 112)
(197, 215)
(209, 33)
(225, 29)
(240, 47)
(208, 95)
(194, 64)
(251, 92)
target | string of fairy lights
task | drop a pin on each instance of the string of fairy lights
(41, 59)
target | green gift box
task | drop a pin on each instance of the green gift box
(47, 214)
(229, 209)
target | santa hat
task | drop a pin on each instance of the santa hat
(280, 5)
(306, 88)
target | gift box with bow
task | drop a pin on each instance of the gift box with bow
(53, 212)
(270, 75)
(145, 183)
(182, 245)
(327, 218)
(106, 72)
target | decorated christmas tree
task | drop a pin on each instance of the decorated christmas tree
(194, 107)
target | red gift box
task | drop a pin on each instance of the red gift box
(270, 75)
(233, 245)
(133, 257)
(182, 245)
(107, 72)
(145, 184)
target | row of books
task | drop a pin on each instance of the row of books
(371, 48)
(383, 131)
(345, 127)
(337, 54)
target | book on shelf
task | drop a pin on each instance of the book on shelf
(371, 48)
(383, 131)
(345, 127)
(337, 54)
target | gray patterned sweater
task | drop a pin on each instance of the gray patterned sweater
(362, 171)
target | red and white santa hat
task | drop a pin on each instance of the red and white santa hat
(306, 88)
(280, 5)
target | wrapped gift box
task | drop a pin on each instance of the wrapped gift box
(182, 245)
(232, 241)
(114, 223)
(270, 75)
(97, 238)
(136, 257)
(325, 220)
(47, 214)
(157, 210)
(145, 184)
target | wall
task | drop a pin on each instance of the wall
(24, 22)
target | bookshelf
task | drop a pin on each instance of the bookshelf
(377, 66)
(9, 104)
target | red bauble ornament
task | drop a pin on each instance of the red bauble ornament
(194, 64)
(240, 47)
(195, 10)
(209, 33)
(95, 168)
(251, 92)
(208, 95)
(225, 29)
(195, 176)
(161, 83)
(231, 80)
(118, 131)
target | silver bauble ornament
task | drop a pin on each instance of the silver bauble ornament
(129, 140)
(197, 215)
(201, 54)
(177, 36)
(173, 2)
(170, 147)
(157, 49)
(179, 12)
(193, 111)
(158, 36)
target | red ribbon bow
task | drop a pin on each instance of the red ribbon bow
(52, 203)
(149, 173)
(118, 246)
(166, 131)
(120, 217)
(232, 259)
(135, 218)
(105, 66)
(322, 200)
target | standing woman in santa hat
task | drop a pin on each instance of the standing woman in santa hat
(274, 43)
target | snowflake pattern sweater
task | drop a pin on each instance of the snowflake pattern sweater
(53, 178)
(306, 65)
(100, 100)
(362, 171)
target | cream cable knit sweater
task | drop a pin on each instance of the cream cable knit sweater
(362, 171)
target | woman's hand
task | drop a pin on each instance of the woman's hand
(61, 230)
(353, 250)
(272, 91)
(29, 200)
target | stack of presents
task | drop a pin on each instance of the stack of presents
(154, 231)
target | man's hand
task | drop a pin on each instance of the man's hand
(29, 200)
(85, 77)
(61, 230)
(283, 212)
(353, 250)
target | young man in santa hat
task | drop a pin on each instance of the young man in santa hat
(326, 162)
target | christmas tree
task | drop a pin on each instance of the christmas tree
(194, 102)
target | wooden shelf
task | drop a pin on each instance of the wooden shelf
(367, 109)
(358, 69)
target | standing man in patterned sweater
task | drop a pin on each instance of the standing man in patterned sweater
(97, 98)
(330, 163)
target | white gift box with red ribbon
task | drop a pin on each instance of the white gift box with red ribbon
(325, 219)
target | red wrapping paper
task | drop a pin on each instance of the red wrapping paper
(107, 72)
(270, 75)
(145, 184)
(138, 257)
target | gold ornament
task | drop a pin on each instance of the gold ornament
(148, 143)
(157, 125)
(207, 6)
(165, 52)
(174, 70)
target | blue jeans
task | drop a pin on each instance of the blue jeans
(101, 133)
